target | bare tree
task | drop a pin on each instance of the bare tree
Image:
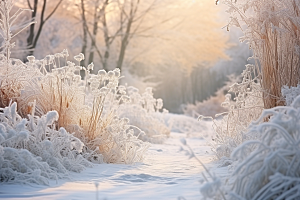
(34, 35)
(129, 23)
(98, 10)
(130, 18)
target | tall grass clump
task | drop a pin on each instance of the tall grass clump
(86, 107)
(267, 167)
(271, 28)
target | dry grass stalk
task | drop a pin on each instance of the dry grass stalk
(272, 29)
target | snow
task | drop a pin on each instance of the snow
(166, 173)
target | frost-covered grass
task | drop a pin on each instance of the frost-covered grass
(88, 107)
(267, 167)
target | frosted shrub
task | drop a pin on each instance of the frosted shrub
(32, 151)
(246, 107)
(271, 28)
(267, 167)
(143, 111)
(60, 89)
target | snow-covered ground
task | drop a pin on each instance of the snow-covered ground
(166, 172)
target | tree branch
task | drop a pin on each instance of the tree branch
(29, 5)
(53, 11)
(41, 24)
(97, 49)
(145, 12)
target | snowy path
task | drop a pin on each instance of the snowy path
(166, 173)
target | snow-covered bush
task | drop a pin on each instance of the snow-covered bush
(267, 167)
(242, 110)
(32, 150)
(143, 111)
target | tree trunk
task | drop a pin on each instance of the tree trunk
(84, 27)
(95, 30)
(124, 43)
(106, 37)
(84, 39)
(30, 38)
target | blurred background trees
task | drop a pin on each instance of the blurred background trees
(179, 47)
